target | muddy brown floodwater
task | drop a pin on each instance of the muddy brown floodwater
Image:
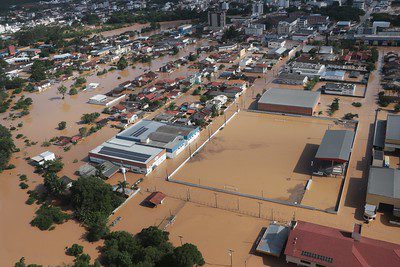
(17, 238)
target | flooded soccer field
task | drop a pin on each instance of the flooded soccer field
(262, 155)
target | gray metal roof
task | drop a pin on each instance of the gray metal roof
(336, 144)
(393, 127)
(379, 134)
(290, 97)
(273, 240)
(384, 182)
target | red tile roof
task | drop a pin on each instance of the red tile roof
(333, 247)
(156, 198)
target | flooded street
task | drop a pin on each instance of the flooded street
(269, 147)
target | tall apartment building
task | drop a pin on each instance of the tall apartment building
(217, 19)
(257, 9)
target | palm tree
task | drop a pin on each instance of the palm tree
(99, 171)
(122, 185)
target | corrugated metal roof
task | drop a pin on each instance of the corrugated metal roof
(384, 182)
(273, 240)
(379, 134)
(290, 97)
(336, 144)
(393, 127)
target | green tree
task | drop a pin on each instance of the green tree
(62, 125)
(6, 146)
(90, 117)
(74, 250)
(187, 255)
(83, 131)
(97, 226)
(54, 186)
(122, 63)
(62, 90)
(48, 215)
(90, 195)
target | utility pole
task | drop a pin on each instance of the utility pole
(230, 252)
(259, 209)
(238, 203)
(216, 200)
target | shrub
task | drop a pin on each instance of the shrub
(73, 91)
(74, 250)
(62, 125)
(23, 185)
(356, 104)
(48, 215)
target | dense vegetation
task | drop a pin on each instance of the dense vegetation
(47, 216)
(93, 201)
(150, 247)
(155, 16)
(6, 147)
(89, 117)
(338, 13)
(393, 19)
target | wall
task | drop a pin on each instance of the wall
(285, 109)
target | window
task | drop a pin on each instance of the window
(305, 262)
(319, 265)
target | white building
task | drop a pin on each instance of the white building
(43, 157)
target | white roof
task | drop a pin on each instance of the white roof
(98, 98)
(47, 154)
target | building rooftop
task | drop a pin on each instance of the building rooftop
(384, 182)
(273, 240)
(290, 97)
(393, 127)
(334, 247)
(339, 86)
(127, 150)
(336, 145)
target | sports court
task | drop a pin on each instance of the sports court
(260, 154)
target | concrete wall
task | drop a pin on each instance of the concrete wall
(285, 109)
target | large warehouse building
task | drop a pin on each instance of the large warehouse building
(145, 145)
(290, 101)
(172, 137)
(135, 157)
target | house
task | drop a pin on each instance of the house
(43, 157)
(42, 86)
(98, 100)
(66, 181)
(155, 199)
(311, 244)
